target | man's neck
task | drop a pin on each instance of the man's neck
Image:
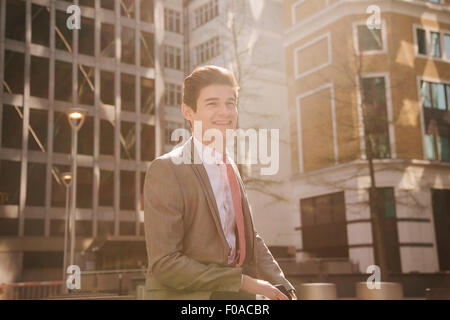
(211, 144)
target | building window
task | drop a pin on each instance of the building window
(369, 39)
(87, 3)
(33, 227)
(435, 44)
(207, 50)
(12, 127)
(57, 227)
(106, 192)
(63, 38)
(9, 182)
(447, 45)
(142, 192)
(127, 140)
(374, 93)
(324, 228)
(105, 228)
(147, 50)
(13, 72)
(422, 41)
(58, 187)
(63, 81)
(441, 214)
(42, 259)
(86, 85)
(172, 57)
(107, 4)
(36, 184)
(147, 11)
(107, 41)
(127, 228)
(128, 45)
(127, 186)
(106, 137)
(172, 96)
(172, 20)
(128, 93)
(38, 126)
(84, 187)
(147, 96)
(9, 226)
(40, 25)
(83, 228)
(147, 142)
(107, 88)
(86, 137)
(62, 133)
(15, 20)
(206, 13)
(127, 8)
(86, 36)
(39, 77)
(436, 107)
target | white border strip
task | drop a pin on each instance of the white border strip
(384, 50)
(308, 44)
(329, 86)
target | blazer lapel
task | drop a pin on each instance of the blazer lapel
(202, 176)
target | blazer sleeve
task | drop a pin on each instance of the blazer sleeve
(267, 267)
(164, 233)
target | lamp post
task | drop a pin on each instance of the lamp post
(76, 118)
(66, 178)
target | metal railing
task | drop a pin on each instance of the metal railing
(98, 282)
(29, 290)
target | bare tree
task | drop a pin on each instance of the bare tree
(371, 126)
(235, 24)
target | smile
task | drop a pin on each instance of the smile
(222, 122)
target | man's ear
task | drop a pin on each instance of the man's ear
(187, 112)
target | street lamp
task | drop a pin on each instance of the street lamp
(66, 178)
(76, 118)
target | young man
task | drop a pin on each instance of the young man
(201, 242)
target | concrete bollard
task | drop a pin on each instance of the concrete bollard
(387, 291)
(140, 292)
(318, 291)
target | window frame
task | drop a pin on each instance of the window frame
(443, 33)
(205, 13)
(435, 154)
(384, 49)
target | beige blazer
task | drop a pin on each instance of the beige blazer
(187, 249)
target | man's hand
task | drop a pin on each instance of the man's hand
(261, 287)
(292, 293)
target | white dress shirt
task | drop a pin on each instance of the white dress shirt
(217, 173)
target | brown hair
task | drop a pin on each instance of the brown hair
(202, 77)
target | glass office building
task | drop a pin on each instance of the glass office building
(107, 68)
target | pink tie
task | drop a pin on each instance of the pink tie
(238, 214)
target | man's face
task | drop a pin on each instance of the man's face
(216, 108)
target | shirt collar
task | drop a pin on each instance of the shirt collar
(208, 154)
